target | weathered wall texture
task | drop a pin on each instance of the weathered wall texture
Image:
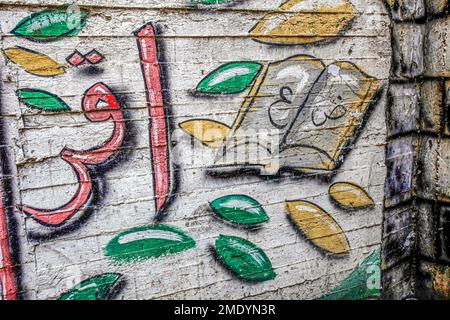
(416, 226)
(113, 144)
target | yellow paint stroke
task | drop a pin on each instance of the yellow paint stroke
(366, 96)
(304, 21)
(210, 133)
(34, 62)
(350, 195)
(318, 226)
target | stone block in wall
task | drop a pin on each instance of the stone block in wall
(447, 107)
(431, 103)
(433, 174)
(400, 163)
(427, 168)
(435, 7)
(426, 230)
(398, 282)
(443, 234)
(408, 44)
(415, 106)
(433, 281)
(433, 231)
(433, 169)
(398, 236)
(437, 54)
(443, 171)
(408, 9)
(404, 109)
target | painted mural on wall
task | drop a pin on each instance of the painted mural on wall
(294, 119)
(299, 98)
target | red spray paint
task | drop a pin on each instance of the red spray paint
(159, 128)
(7, 275)
(79, 159)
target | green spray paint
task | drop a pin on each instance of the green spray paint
(244, 259)
(39, 99)
(148, 242)
(51, 25)
(97, 288)
(239, 209)
(230, 78)
(356, 286)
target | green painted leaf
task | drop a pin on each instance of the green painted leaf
(51, 25)
(97, 288)
(244, 259)
(148, 242)
(356, 285)
(230, 78)
(239, 209)
(39, 99)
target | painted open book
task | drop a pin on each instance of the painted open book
(299, 114)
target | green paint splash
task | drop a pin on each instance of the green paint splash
(40, 99)
(51, 25)
(147, 242)
(230, 78)
(244, 259)
(356, 286)
(239, 209)
(97, 288)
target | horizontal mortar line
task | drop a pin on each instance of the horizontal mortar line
(130, 111)
(33, 160)
(179, 194)
(245, 297)
(184, 266)
(96, 127)
(113, 233)
(193, 218)
(227, 36)
(176, 96)
(29, 117)
(192, 8)
(173, 210)
(184, 170)
(175, 107)
(207, 214)
(188, 194)
(352, 249)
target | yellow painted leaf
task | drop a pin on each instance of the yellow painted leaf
(210, 133)
(34, 62)
(318, 226)
(304, 21)
(350, 195)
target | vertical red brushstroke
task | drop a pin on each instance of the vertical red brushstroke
(79, 159)
(7, 276)
(159, 135)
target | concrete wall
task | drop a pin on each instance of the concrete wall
(311, 77)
